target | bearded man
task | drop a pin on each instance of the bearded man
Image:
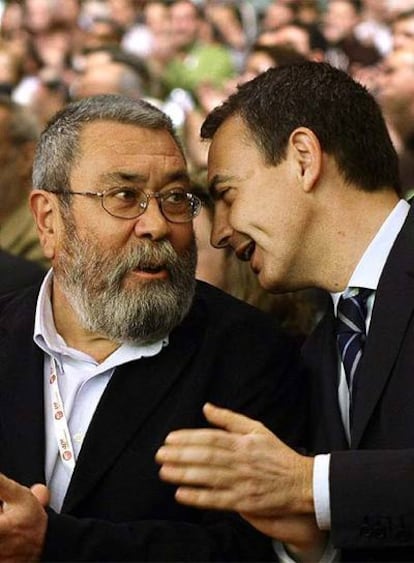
(120, 346)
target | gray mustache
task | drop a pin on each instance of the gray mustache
(151, 255)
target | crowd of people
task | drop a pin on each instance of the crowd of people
(186, 57)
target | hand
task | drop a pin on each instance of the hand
(245, 468)
(23, 521)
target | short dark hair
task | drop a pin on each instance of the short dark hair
(341, 112)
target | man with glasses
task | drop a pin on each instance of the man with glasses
(120, 346)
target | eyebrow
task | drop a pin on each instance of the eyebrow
(180, 175)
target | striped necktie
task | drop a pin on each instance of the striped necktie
(351, 332)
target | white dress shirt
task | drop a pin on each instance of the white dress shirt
(81, 381)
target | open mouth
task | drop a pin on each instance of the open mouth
(246, 252)
(150, 269)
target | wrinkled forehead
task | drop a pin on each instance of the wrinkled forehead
(110, 147)
(116, 138)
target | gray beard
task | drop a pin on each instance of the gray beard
(92, 281)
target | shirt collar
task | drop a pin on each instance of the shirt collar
(369, 269)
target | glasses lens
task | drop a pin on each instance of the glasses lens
(179, 206)
(125, 202)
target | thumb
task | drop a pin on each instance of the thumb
(232, 421)
(42, 493)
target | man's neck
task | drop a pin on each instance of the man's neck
(355, 223)
(69, 328)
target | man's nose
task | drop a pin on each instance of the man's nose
(152, 223)
(220, 232)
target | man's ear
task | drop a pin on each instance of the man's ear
(305, 148)
(46, 214)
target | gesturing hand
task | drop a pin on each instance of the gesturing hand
(243, 467)
(23, 521)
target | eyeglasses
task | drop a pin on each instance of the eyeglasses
(176, 205)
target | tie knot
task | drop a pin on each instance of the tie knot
(352, 312)
(350, 328)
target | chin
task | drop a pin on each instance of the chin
(272, 284)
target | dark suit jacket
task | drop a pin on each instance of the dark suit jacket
(17, 273)
(372, 484)
(116, 507)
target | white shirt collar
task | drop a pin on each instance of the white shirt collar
(369, 269)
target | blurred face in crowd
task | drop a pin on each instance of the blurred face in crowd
(289, 36)
(396, 82)
(102, 78)
(39, 14)
(15, 166)
(184, 24)
(403, 34)
(277, 15)
(128, 279)
(339, 20)
(256, 63)
(259, 209)
(123, 12)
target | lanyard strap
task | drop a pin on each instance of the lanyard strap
(64, 441)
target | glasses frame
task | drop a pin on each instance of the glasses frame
(160, 196)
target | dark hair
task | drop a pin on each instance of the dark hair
(341, 112)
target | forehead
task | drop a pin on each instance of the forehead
(108, 147)
(233, 151)
(101, 140)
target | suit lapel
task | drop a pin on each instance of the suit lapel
(393, 307)
(132, 395)
(21, 393)
(322, 360)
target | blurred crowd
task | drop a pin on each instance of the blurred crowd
(186, 57)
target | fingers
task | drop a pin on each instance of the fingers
(233, 425)
(206, 498)
(231, 421)
(41, 492)
(201, 437)
(194, 455)
(199, 475)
